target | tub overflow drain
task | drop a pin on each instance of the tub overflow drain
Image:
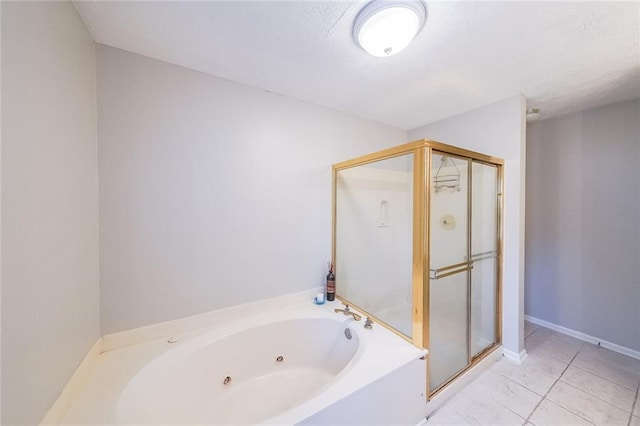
(279, 359)
(226, 381)
(347, 333)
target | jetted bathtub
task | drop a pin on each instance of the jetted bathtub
(244, 378)
(299, 364)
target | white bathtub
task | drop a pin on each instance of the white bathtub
(213, 380)
(286, 366)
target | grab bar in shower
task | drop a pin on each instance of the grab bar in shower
(447, 271)
(436, 274)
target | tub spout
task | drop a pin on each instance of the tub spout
(346, 311)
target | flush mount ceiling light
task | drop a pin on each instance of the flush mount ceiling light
(386, 27)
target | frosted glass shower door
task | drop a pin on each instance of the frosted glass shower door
(449, 268)
(484, 254)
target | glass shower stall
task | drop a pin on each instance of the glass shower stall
(417, 246)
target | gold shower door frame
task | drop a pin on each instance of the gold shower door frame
(422, 151)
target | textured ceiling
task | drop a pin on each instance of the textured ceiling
(563, 56)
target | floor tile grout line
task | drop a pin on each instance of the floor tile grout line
(547, 354)
(532, 331)
(615, 365)
(456, 411)
(565, 409)
(491, 398)
(562, 340)
(531, 334)
(549, 390)
(508, 408)
(603, 378)
(633, 406)
(583, 344)
(583, 347)
(509, 378)
(595, 396)
(578, 347)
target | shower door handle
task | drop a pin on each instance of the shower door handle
(447, 271)
(484, 255)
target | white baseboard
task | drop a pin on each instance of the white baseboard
(518, 358)
(70, 392)
(585, 337)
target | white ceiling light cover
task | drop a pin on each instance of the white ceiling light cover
(385, 27)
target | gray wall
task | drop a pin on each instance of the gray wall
(49, 204)
(211, 193)
(583, 222)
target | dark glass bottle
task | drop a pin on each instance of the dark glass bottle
(331, 284)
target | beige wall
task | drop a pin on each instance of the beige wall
(211, 193)
(49, 204)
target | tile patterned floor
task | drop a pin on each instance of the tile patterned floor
(563, 381)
